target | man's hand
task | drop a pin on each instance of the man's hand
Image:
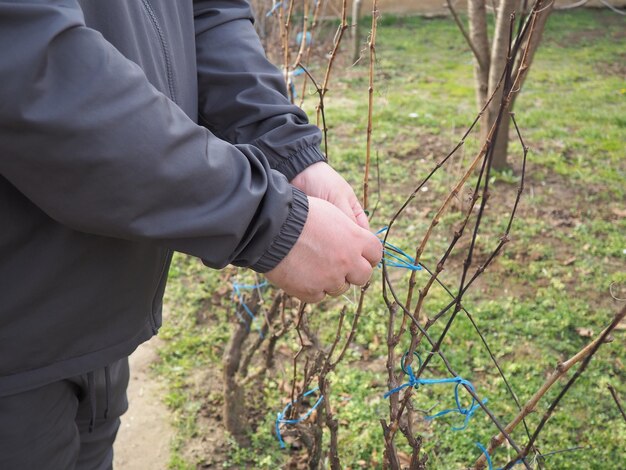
(321, 181)
(331, 251)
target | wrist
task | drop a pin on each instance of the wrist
(288, 235)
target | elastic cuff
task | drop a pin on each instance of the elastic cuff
(288, 235)
(300, 160)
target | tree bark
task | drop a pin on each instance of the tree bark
(356, 30)
(499, 53)
(489, 65)
(235, 413)
(477, 15)
(235, 416)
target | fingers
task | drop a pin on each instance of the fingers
(360, 273)
(322, 181)
(349, 205)
(308, 296)
(331, 252)
(373, 249)
(344, 206)
(311, 298)
(339, 291)
(360, 215)
(361, 219)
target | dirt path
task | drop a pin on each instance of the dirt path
(144, 437)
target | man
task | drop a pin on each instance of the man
(105, 171)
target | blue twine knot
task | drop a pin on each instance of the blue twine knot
(396, 257)
(237, 295)
(280, 417)
(415, 382)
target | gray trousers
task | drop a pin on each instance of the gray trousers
(66, 425)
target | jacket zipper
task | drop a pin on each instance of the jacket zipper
(166, 55)
(162, 275)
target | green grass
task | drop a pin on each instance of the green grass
(553, 279)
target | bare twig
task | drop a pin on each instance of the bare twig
(509, 83)
(370, 102)
(617, 400)
(331, 60)
(489, 351)
(479, 58)
(320, 107)
(307, 53)
(437, 351)
(324, 384)
(303, 39)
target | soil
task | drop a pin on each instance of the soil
(143, 440)
(210, 447)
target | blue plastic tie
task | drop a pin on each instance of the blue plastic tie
(459, 381)
(280, 418)
(488, 457)
(396, 257)
(276, 6)
(237, 288)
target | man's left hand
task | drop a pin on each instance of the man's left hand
(321, 181)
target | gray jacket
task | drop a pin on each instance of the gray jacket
(104, 170)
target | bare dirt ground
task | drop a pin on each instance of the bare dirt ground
(144, 437)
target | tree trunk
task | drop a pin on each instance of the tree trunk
(499, 53)
(488, 67)
(477, 13)
(528, 49)
(501, 144)
(356, 30)
(235, 416)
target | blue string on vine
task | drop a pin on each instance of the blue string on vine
(237, 296)
(296, 73)
(275, 7)
(415, 382)
(280, 417)
(488, 457)
(396, 257)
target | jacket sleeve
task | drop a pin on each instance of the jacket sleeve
(242, 96)
(87, 139)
